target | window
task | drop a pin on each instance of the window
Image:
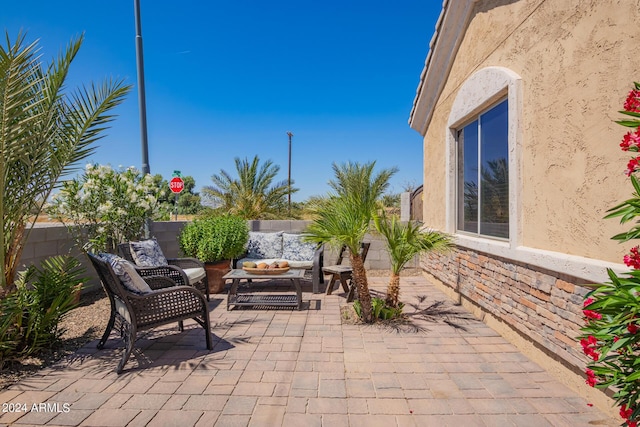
(483, 174)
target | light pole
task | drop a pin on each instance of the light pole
(143, 103)
(290, 136)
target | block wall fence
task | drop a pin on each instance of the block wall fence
(47, 240)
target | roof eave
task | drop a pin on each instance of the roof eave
(450, 29)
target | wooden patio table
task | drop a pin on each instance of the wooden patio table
(255, 281)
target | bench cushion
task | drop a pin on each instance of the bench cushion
(264, 245)
(295, 249)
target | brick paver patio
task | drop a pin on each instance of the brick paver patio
(303, 368)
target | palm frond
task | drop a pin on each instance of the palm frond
(43, 134)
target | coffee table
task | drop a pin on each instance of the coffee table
(258, 299)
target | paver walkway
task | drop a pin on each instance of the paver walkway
(303, 368)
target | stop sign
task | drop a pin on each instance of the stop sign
(176, 185)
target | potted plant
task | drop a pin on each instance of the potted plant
(215, 240)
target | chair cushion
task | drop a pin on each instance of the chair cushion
(127, 274)
(264, 245)
(147, 253)
(294, 249)
(195, 274)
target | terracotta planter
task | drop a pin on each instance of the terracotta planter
(215, 271)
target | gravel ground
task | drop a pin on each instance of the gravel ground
(83, 324)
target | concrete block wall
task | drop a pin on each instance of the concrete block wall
(541, 305)
(167, 232)
(46, 240)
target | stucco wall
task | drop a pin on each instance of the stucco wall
(577, 61)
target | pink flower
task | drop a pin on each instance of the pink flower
(632, 328)
(590, 314)
(588, 301)
(631, 141)
(632, 166)
(632, 423)
(632, 102)
(633, 259)
(589, 341)
(625, 412)
(589, 347)
(591, 378)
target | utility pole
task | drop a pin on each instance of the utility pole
(142, 104)
(290, 136)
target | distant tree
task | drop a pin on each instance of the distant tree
(391, 201)
(409, 186)
(251, 195)
(189, 202)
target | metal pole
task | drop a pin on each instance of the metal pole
(143, 104)
(290, 136)
(176, 207)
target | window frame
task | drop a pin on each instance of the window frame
(480, 92)
(459, 195)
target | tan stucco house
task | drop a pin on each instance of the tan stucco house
(516, 104)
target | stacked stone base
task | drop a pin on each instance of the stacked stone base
(543, 306)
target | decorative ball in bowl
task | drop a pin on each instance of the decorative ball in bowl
(277, 267)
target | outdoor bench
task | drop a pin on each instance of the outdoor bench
(267, 248)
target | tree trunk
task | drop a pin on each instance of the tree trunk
(360, 276)
(393, 291)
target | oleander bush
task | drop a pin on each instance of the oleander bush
(610, 336)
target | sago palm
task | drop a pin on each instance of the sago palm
(251, 195)
(404, 241)
(344, 217)
(43, 133)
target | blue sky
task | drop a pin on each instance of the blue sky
(228, 79)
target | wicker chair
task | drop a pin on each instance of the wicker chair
(131, 312)
(175, 270)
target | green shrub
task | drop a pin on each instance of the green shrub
(381, 310)
(30, 316)
(215, 238)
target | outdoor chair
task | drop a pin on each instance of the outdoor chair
(184, 271)
(344, 273)
(138, 304)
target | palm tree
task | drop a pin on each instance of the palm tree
(44, 132)
(344, 217)
(251, 195)
(404, 241)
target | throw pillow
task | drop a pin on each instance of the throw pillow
(147, 253)
(127, 274)
(295, 249)
(264, 245)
